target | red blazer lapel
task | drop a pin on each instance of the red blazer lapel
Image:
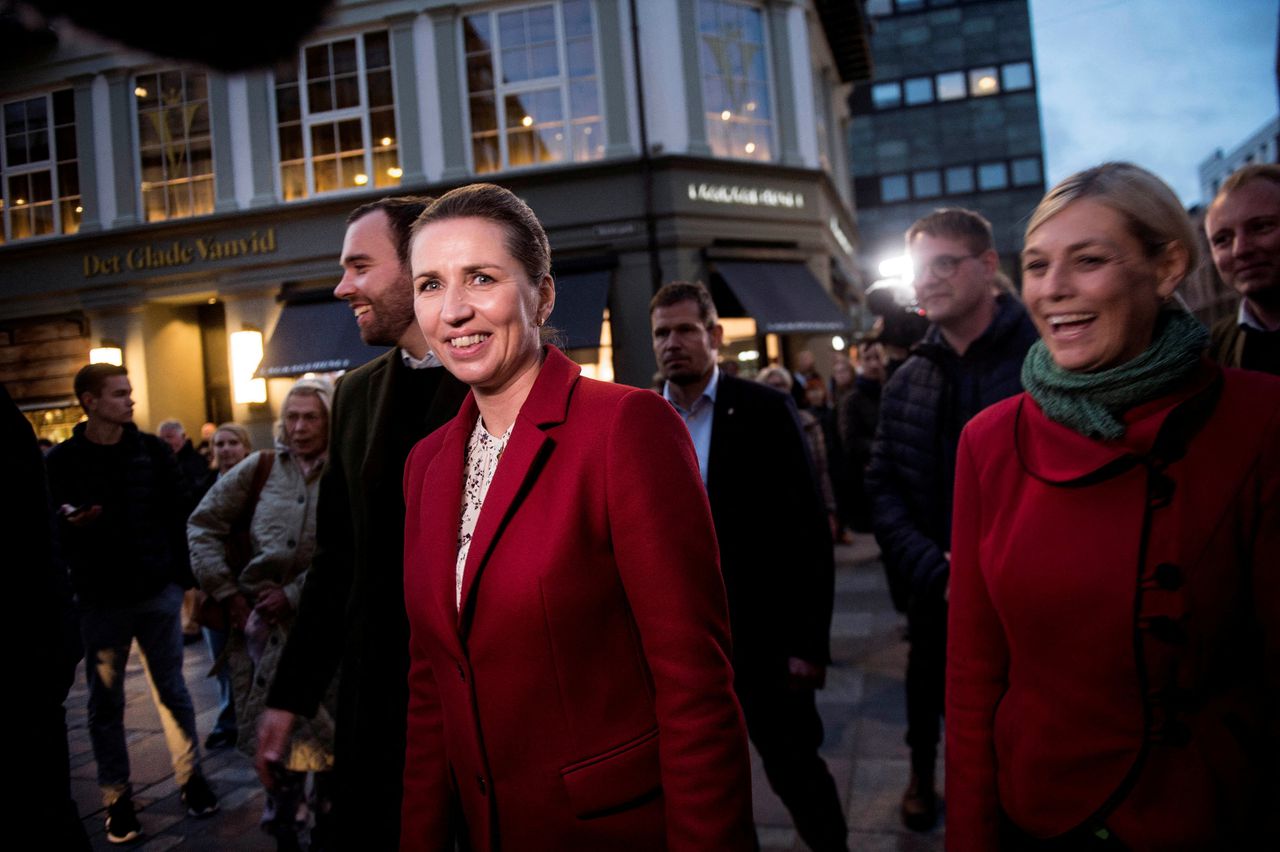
(526, 451)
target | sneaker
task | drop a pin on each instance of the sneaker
(920, 804)
(122, 821)
(198, 798)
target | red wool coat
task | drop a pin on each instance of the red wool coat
(583, 698)
(1114, 637)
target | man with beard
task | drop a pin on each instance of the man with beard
(352, 607)
(1243, 224)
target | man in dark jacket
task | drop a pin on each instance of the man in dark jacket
(121, 508)
(777, 563)
(352, 608)
(971, 357)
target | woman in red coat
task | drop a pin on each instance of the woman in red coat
(1113, 664)
(570, 685)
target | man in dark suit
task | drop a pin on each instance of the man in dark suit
(352, 608)
(775, 552)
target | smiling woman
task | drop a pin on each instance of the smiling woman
(1114, 619)
(570, 685)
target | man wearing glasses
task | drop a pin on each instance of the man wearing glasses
(970, 357)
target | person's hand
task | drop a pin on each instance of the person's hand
(802, 674)
(78, 516)
(273, 605)
(274, 728)
(238, 611)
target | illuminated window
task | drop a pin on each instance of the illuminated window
(926, 184)
(735, 80)
(886, 95)
(1016, 76)
(992, 176)
(959, 179)
(951, 86)
(39, 171)
(533, 86)
(336, 118)
(918, 90)
(174, 144)
(983, 81)
(1026, 171)
(894, 188)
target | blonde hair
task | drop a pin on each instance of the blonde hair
(239, 431)
(1152, 211)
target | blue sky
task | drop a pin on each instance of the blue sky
(1162, 83)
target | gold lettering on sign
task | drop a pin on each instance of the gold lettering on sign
(180, 253)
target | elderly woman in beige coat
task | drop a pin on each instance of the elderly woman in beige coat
(261, 599)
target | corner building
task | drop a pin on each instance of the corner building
(951, 118)
(160, 209)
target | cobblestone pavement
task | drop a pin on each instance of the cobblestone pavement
(862, 707)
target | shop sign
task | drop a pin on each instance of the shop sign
(748, 196)
(178, 253)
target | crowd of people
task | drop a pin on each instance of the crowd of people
(473, 599)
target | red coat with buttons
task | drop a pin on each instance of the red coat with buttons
(1114, 637)
(583, 696)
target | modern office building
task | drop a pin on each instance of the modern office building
(184, 218)
(951, 118)
(1261, 147)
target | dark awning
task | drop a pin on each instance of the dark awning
(783, 298)
(580, 303)
(315, 337)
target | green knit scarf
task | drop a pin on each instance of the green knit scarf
(1094, 403)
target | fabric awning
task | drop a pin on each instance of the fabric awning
(580, 301)
(315, 337)
(783, 298)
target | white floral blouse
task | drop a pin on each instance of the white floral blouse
(483, 453)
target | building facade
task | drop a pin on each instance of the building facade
(163, 210)
(1262, 147)
(951, 118)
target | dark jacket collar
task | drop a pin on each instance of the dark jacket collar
(1008, 320)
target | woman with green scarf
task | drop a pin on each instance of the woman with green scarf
(1113, 668)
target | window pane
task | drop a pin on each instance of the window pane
(15, 148)
(350, 135)
(894, 188)
(377, 50)
(475, 33)
(64, 107)
(382, 127)
(386, 167)
(588, 142)
(71, 213)
(42, 219)
(885, 95)
(1016, 75)
(992, 176)
(959, 179)
(68, 180)
(577, 18)
(291, 143)
(319, 98)
(544, 61)
(1026, 171)
(38, 145)
(317, 61)
(582, 58)
(983, 81)
(323, 140)
(293, 182)
(344, 56)
(326, 175)
(479, 73)
(288, 107)
(951, 85)
(346, 92)
(918, 90)
(515, 65)
(65, 139)
(926, 184)
(484, 114)
(484, 152)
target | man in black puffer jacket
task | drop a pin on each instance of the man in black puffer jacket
(971, 357)
(121, 507)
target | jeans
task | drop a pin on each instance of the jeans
(216, 641)
(108, 633)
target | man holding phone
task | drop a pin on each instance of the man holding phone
(122, 529)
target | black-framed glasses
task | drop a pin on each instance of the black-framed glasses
(945, 265)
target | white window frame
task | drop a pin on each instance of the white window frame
(334, 116)
(137, 147)
(49, 165)
(770, 88)
(502, 90)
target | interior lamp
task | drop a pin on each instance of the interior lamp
(108, 352)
